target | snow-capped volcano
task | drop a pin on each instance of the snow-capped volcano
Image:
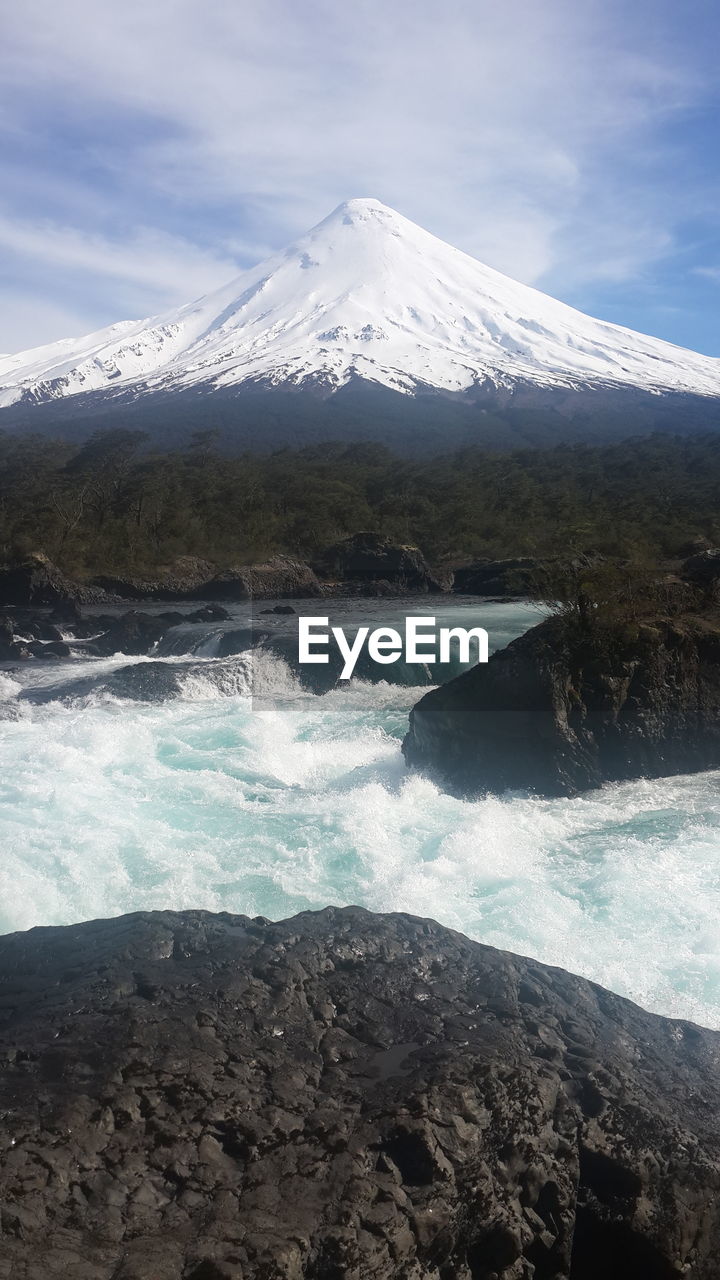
(367, 295)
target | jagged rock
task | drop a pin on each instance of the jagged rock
(563, 709)
(177, 582)
(341, 1096)
(49, 649)
(138, 633)
(132, 633)
(703, 572)
(44, 629)
(279, 577)
(501, 578)
(210, 613)
(29, 636)
(703, 567)
(37, 581)
(368, 560)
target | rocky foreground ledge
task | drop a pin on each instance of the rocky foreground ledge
(188, 1096)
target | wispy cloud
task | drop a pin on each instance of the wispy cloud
(144, 272)
(164, 266)
(532, 135)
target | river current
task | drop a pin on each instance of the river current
(241, 791)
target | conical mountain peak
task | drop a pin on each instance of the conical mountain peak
(366, 294)
(363, 205)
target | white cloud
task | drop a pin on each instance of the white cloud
(140, 274)
(29, 321)
(708, 273)
(167, 267)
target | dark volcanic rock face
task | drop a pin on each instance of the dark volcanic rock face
(132, 633)
(177, 582)
(373, 564)
(280, 577)
(503, 578)
(560, 711)
(37, 581)
(342, 1095)
(704, 567)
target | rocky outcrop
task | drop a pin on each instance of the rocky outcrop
(137, 633)
(525, 576)
(177, 582)
(210, 613)
(341, 1096)
(702, 571)
(565, 708)
(281, 577)
(37, 581)
(703, 567)
(133, 633)
(28, 635)
(372, 564)
(498, 578)
(49, 649)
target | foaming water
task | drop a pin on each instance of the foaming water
(286, 801)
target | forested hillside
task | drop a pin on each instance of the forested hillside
(111, 503)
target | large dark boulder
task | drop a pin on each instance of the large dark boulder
(37, 581)
(703, 567)
(341, 1096)
(132, 633)
(369, 559)
(49, 649)
(498, 578)
(703, 572)
(28, 635)
(209, 613)
(281, 577)
(565, 708)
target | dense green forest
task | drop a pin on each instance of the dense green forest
(113, 503)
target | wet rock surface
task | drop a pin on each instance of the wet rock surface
(134, 633)
(188, 1096)
(560, 711)
(28, 633)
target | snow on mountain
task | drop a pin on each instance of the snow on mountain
(366, 294)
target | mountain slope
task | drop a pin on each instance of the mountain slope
(365, 296)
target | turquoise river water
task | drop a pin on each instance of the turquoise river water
(285, 800)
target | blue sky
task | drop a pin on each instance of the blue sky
(152, 150)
